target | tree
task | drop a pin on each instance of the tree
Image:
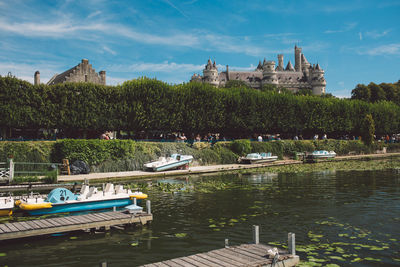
(377, 93)
(361, 92)
(368, 129)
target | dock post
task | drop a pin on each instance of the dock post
(148, 206)
(114, 208)
(134, 201)
(226, 242)
(256, 236)
(103, 264)
(292, 243)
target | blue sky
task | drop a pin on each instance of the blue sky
(354, 41)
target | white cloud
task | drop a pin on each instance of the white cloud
(166, 67)
(109, 50)
(26, 71)
(347, 27)
(383, 50)
(376, 34)
(94, 14)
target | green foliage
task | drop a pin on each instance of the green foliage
(39, 151)
(377, 92)
(241, 147)
(368, 130)
(143, 105)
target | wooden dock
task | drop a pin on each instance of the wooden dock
(40, 227)
(243, 255)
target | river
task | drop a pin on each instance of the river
(344, 218)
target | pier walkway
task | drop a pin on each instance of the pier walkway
(244, 255)
(88, 221)
(205, 169)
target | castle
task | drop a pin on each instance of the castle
(83, 72)
(302, 76)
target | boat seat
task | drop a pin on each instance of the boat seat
(109, 188)
(84, 190)
(92, 190)
(119, 189)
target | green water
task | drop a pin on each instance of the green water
(346, 218)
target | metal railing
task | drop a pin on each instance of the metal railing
(11, 171)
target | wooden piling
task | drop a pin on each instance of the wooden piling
(292, 243)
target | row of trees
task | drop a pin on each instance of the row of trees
(377, 92)
(151, 105)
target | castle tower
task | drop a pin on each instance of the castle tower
(280, 62)
(318, 82)
(210, 73)
(269, 73)
(103, 77)
(36, 79)
(297, 58)
(305, 66)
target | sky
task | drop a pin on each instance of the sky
(354, 41)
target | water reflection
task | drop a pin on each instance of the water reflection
(346, 218)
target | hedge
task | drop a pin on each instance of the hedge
(147, 105)
(127, 155)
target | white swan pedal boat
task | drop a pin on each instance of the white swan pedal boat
(257, 158)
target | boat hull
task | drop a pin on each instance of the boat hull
(169, 166)
(255, 161)
(82, 206)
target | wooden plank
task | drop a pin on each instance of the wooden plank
(266, 247)
(54, 222)
(180, 262)
(201, 260)
(32, 225)
(16, 225)
(243, 252)
(84, 219)
(223, 258)
(1, 231)
(96, 217)
(43, 223)
(5, 228)
(214, 260)
(104, 217)
(21, 226)
(234, 256)
(50, 222)
(64, 221)
(12, 227)
(26, 225)
(71, 219)
(253, 250)
(170, 263)
(193, 262)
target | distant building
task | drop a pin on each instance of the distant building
(83, 72)
(302, 75)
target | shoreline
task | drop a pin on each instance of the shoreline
(206, 169)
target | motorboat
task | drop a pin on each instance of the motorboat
(89, 198)
(257, 158)
(6, 205)
(175, 161)
(323, 154)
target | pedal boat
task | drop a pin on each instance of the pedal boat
(176, 161)
(89, 198)
(6, 205)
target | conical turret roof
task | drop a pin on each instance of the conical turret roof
(303, 59)
(289, 66)
(259, 67)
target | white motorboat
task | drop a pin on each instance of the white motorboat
(176, 161)
(257, 158)
(323, 154)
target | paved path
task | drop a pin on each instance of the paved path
(201, 169)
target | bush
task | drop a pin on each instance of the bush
(241, 147)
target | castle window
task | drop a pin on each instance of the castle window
(86, 78)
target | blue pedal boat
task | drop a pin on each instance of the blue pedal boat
(90, 198)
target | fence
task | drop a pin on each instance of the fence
(28, 171)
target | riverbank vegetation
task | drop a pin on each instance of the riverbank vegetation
(128, 155)
(147, 106)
